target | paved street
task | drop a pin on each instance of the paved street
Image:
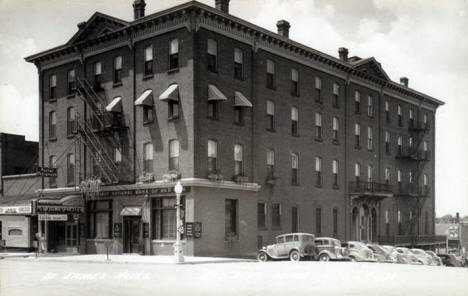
(45, 277)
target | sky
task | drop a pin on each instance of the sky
(424, 40)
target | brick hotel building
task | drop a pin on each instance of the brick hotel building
(267, 136)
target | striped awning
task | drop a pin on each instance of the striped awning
(170, 94)
(241, 100)
(146, 98)
(214, 94)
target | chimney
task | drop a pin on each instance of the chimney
(343, 52)
(222, 5)
(139, 9)
(404, 81)
(283, 28)
(81, 25)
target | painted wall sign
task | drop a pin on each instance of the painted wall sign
(132, 192)
(59, 209)
(53, 217)
(47, 172)
(193, 229)
(117, 229)
(17, 210)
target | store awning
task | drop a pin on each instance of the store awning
(170, 94)
(115, 105)
(146, 99)
(241, 100)
(131, 211)
(214, 94)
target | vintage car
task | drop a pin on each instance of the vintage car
(358, 251)
(408, 255)
(449, 260)
(295, 246)
(380, 254)
(395, 255)
(422, 256)
(329, 249)
(435, 259)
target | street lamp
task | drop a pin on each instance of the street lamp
(178, 253)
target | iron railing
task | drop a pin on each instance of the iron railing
(375, 187)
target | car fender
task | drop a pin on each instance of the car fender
(326, 252)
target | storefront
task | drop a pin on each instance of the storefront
(17, 225)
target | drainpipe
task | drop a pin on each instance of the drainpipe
(346, 186)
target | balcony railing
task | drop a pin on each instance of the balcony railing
(418, 126)
(369, 187)
(413, 154)
(412, 190)
(411, 240)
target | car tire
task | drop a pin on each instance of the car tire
(262, 257)
(324, 257)
(295, 256)
(353, 259)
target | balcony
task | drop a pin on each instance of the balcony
(374, 190)
(411, 240)
(418, 126)
(408, 153)
(412, 190)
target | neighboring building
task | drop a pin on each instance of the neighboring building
(18, 182)
(267, 135)
(455, 234)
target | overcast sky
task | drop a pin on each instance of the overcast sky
(424, 40)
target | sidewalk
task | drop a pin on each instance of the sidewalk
(16, 254)
(122, 259)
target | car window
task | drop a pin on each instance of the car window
(336, 244)
(289, 238)
(280, 239)
(295, 238)
(319, 242)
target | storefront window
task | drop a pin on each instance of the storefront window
(100, 219)
(164, 218)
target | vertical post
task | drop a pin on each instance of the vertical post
(178, 253)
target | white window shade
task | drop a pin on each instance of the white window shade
(71, 75)
(212, 47)
(425, 146)
(118, 63)
(318, 83)
(149, 53)
(399, 110)
(98, 68)
(318, 164)
(117, 155)
(174, 148)
(212, 148)
(387, 218)
(400, 140)
(53, 80)
(357, 169)
(410, 141)
(270, 67)
(238, 152)
(318, 119)
(425, 179)
(370, 132)
(369, 101)
(174, 46)
(411, 113)
(148, 151)
(335, 167)
(294, 114)
(387, 174)
(270, 157)
(357, 96)
(387, 106)
(387, 137)
(270, 108)
(294, 75)
(238, 56)
(370, 168)
(357, 129)
(336, 89)
(294, 161)
(53, 117)
(399, 175)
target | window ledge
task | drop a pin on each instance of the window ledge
(70, 136)
(370, 150)
(148, 76)
(54, 100)
(171, 71)
(71, 96)
(318, 185)
(148, 122)
(117, 84)
(271, 130)
(172, 119)
(53, 139)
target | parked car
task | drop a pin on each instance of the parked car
(422, 256)
(329, 249)
(435, 259)
(461, 261)
(358, 251)
(449, 260)
(398, 257)
(408, 256)
(380, 254)
(295, 246)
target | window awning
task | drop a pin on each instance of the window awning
(131, 211)
(170, 94)
(214, 94)
(146, 99)
(241, 100)
(115, 105)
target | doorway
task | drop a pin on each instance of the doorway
(131, 234)
(63, 236)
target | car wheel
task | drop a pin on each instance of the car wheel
(262, 257)
(294, 256)
(353, 259)
(324, 257)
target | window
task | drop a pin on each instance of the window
(400, 228)
(387, 111)
(387, 141)
(117, 69)
(270, 163)
(425, 184)
(357, 102)
(52, 125)
(276, 215)
(410, 177)
(318, 89)
(294, 221)
(387, 175)
(174, 54)
(426, 222)
(270, 115)
(370, 173)
(174, 155)
(318, 221)
(370, 138)
(387, 223)
(370, 106)
(148, 114)
(357, 135)
(261, 215)
(71, 82)
(15, 232)
(399, 176)
(97, 73)
(357, 171)
(318, 126)
(294, 168)
(238, 115)
(270, 74)
(96, 167)
(173, 109)
(238, 160)
(238, 64)
(294, 82)
(53, 164)
(336, 95)
(410, 142)
(164, 218)
(212, 155)
(231, 218)
(425, 151)
(70, 169)
(425, 121)
(294, 121)
(400, 143)
(213, 109)
(335, 129)
(117, 156)
(71, 121)
(53, 87)
(318, 171)
(100, 219)
(148, 158)
(335, 173)
(149, 60)
(335, 222)
(411, 117)
(212, 55)
(400, 116)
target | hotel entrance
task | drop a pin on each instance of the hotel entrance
(63, 236)
(132, 241)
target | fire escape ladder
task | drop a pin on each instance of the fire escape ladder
(95, 101)
(98, 152)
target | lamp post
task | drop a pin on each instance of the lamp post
(178, 253)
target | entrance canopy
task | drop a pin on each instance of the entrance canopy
(131, 211)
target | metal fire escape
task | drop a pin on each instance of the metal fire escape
(98, 131)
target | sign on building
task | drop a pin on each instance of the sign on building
(47, 172)
(52, 217)
(193, 229)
